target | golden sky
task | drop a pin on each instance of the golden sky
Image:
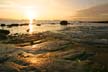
(45, 9)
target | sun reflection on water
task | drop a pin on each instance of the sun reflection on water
(31, 26)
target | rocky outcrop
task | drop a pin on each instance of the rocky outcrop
(64, 22)
(3, 34)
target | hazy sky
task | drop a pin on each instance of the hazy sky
(45, 9)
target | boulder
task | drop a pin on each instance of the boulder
(2, 25)
(38, 24)
(2, 37)
(4, 32)
(64, 22)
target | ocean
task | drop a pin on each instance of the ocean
(45, 25)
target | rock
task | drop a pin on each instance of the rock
(64, 22)
(28, 30)
(38, 24)
(12, 25)
(2, 37)
(9, 26)
(5, 32)
(2, 25)
(24, 24)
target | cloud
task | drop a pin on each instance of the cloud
(97, 13)
(8, 4)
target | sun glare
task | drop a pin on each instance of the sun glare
(31, 15)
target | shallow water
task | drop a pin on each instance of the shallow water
(50, 27)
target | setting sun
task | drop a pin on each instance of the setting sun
(30, 14)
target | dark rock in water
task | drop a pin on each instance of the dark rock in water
(53, 23)
(2, 25)
(24, 24)
(28, 30)
(12, 25)
(2, 37)
(15, 24)
(4, 32)
(38, 24)
(9, 26)
(64, 22)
